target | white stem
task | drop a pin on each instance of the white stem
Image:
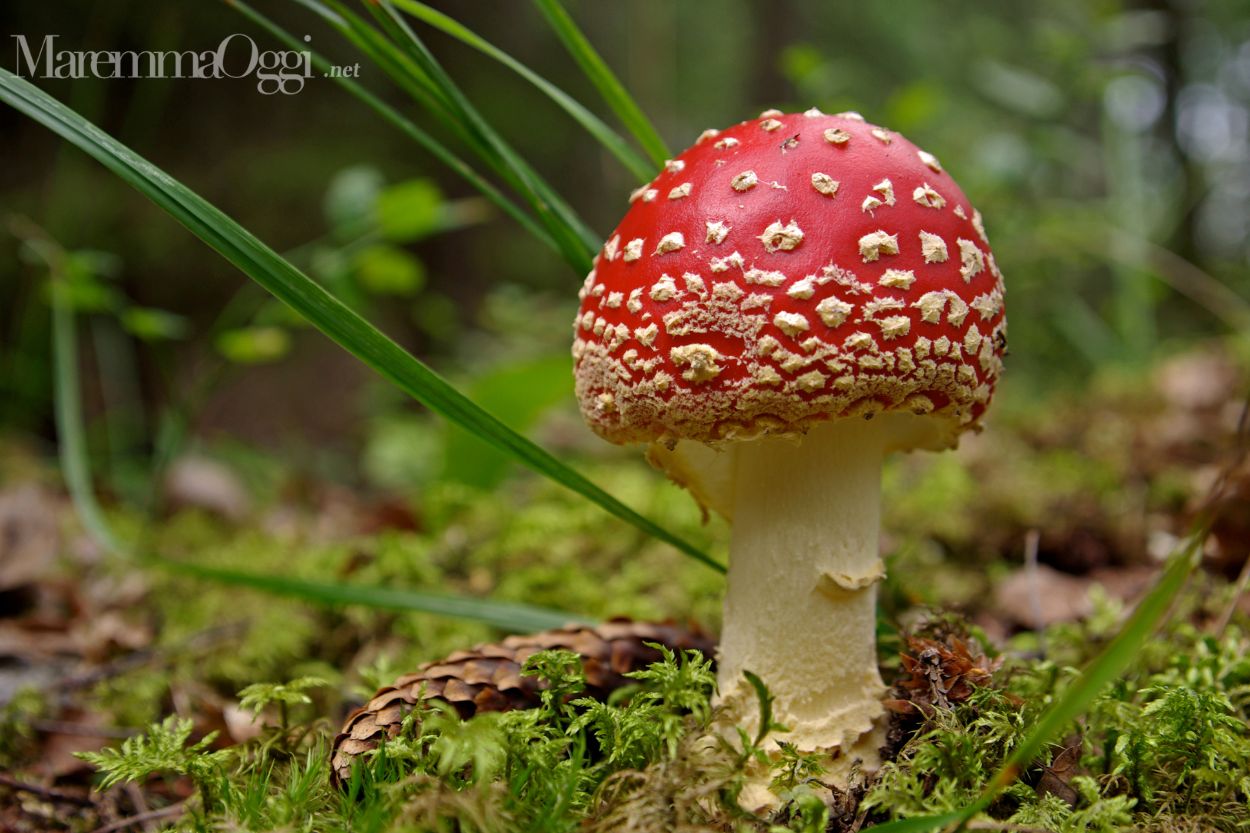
(800, 610)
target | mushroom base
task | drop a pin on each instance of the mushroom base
(800, 607)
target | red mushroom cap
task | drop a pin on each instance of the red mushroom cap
(790, 270)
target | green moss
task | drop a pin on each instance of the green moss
(1166, 747)
(1169, 741)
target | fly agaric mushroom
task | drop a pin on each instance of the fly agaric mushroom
(788, 301)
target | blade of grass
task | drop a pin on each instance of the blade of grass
(72, 447)
(920, 824)
(612, 90)
(577, 243)
(413, 80)
(399, 30)
(1111, 663)
(510, 616)
(434, 147)
(615, 145)
(318, 306)
(76, 471)
(1107, 666)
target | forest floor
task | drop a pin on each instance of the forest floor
(1015, 557)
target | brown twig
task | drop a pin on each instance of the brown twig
(1004, 826)
(64, 727)
(1187, 278)
(1241, 448)
(1239, 590)
(139, 803)
(141, 818)
(50, 793)
(204, 640)
(1031, 543)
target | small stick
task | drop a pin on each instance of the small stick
(50, 793)
(1031, 542)
(140, 804)
(141, 818)
(1002, 825)
(1241, 448)
(1239, 590)
(64, 727)
(204, 640)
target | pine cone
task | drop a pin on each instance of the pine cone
(488, 678)
(941, 674)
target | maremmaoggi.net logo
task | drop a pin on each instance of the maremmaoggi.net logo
(237, 56)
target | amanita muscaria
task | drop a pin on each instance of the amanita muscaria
(788, 301)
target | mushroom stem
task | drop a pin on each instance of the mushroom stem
(800, 610)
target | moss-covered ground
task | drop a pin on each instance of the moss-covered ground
(208, 707)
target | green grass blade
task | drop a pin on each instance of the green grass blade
(402, 70)
(72, 441)
(408, 128)
(509, 616)
(306, 297)
(607, 137)
(612, 90)
(411, 78)
(464, 111)
(1110, 664)
(576, 243)
(920, 824)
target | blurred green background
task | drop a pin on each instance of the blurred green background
(1106, 144)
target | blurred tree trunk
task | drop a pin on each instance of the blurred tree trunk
(1170, 56)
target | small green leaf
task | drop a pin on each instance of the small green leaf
(84, 295)
(257, 696)
(765, 698)
(520, 393)
(162, 749)
(409, 210)
(921, 824)
(151, 324)
(389, 270)
(254, 345)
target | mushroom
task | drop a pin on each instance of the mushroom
(816, 293)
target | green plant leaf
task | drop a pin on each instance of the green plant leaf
(607, 137)
(253, 345)
(389, 270)
(318, 306)
(520, 393)
(612, 90)
(509, 616)
(922, 824)
(409, 210)
(86, 294)
(153, 324)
